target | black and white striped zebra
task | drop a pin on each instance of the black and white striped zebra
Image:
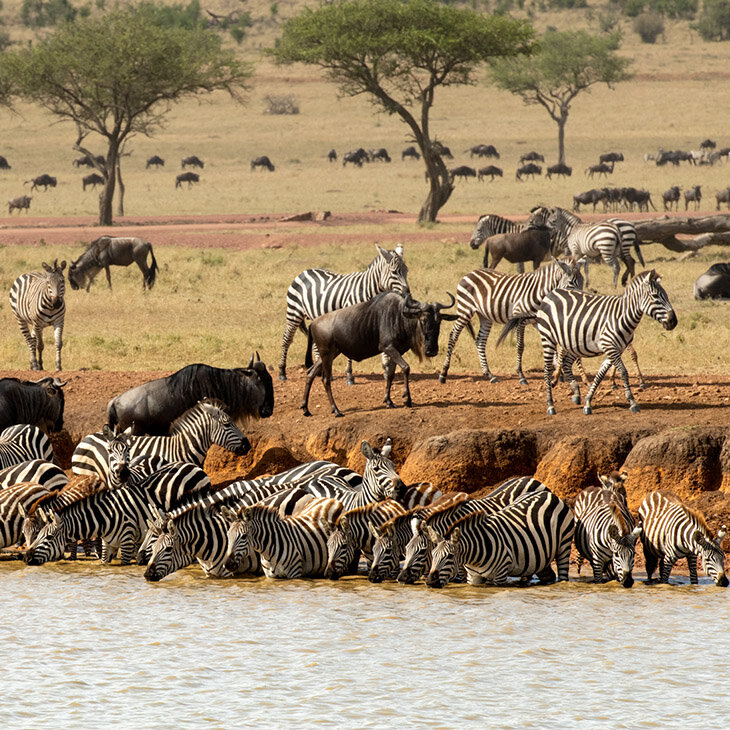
(605, 534)
(37, 301)
(36, 471)
(22, 442)
(190, 437)
(672, 531)
(317, 291)
(586, 325)
(15, 502)
(519, 541)
(497, 297)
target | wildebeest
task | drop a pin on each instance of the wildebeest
(693, 195)
(21, 202)
(4, 164)
(93, 179)
(389, 324)
(108, 251)
(600, 169)
(532, 157)
(529, 244)
(528, 170)
(88, 161)
(671, 196)
(673, 156)
(463, 171)
(151, 407)
(708, 144)
(589, 197)
(410, 152)
(36, 402)
(483, 150)
(192, 161)
(357, 157)
(490, 170)
(45, 180)
(380, 154)
(442, 150)
(559, 169)
(332, 155)
(642, 198)
(611, 157)
(262, 161)
(714, 283)
(188, 177)
(723, 196)
(155, 161)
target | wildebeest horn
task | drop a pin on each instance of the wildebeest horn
(411, 305)
(439, 307)
(250, 362)
(59, 383)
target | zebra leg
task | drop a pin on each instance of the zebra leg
(128, 545)
(692, 565)
(615, 267)
(548, 355)
(650, 561)
(520, 351)
(30, 341)
(597, 566)
(58, 338)
(619, 365)
(546, 576)
(459, 325)
(349, 377)
(667, 563)
(568, 361)
(596, 382)
(485, 327)
(38, 336)
(291, 328)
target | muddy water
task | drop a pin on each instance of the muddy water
(87, 646)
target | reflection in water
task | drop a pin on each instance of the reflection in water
(85, 645)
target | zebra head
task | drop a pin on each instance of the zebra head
(713, 557)
(380, 480)
(392, 270)
(154, 530)
(654, 301)
(166, 555)
(55, 284)
(484, 229)
(340, 547)
(445, 560)
(223, 431)
(571, 277)
(418, 551)
(540, 217)
(240, 548)
(49, 543)
(623, 551)
(32, 523)
(118, 448)
(386, 560)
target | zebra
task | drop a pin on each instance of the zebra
(673, 531)
(629, 240)
(521, 539)
(605, 534)
(22, 442)
(316, 291)
(498, 297)
(37, 471)
(190, 437)
(36, 299)
(585, 325)
(582, 240)
(15, 502)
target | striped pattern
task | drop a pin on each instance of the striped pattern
(673, 531)
(519, 541)
(317, 291)
(15, 502)
(37, 301)
(22, 442)
(37, 471)
(497, 297)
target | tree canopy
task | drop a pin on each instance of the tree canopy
(399, 52)
(564, 64)
(117, 75)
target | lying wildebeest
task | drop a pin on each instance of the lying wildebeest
(589, 197)
(379, 154)
(357, 157)
(389, 324)
(332, 155)
(611, 157)
(559, 169)
(463, 171)
(93, 179)
(723, 196)
(45, 180)
(188, 177)
(193, 161)
(410, 152)
(4, 164)
(155, 161)
(671, 196)
(22, 201)
(532, 157)
(714, 283)
(109, 251)
(600, 169)
(693, 195)
(491, 170)
(151, 407)
(530, 169)
(262, 161)
(37, 402)
(483, 150)
(529, 244)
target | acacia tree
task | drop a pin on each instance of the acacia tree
(564, 65)
(399, 53)
(117, 75)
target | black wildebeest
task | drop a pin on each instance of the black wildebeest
(463, 171)
(155, 161)
(88, 161)
(192, 161)
(389, 324)
(188, 177)
(723, 196)
(262, 161)
(611, 157)
(600, 169)
(332, 155)
(642, 198)
(109, 251)
(357, 157)
(47, 181)
(37, 402)
(532, 157)
(559, 169)
(693, 195)
(589, 197)
(490, 170)
(714, 283)
(93, 179)
(708, 144)
(22, 201)
(410, 152)
(670, 197)
(380, 154)
(151, 407)
(529, 244)
(528, 170)
(4, 164)
(483, 150)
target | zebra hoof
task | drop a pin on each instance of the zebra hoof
(442, 379)
(282, 376)
(575, 399)
(587, 410)
(523, 381)
(551, 411)
(305, 412)
(635, 408)
(493, 379)
(642, 386)
(350, 381)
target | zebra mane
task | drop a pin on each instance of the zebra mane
(445, 502)
(611, 501)
(691, 512)
(181, 424)
(466, 521)
(398, 520)
(79, 487)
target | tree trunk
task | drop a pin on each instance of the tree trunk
(561, 138)
(664, 230)
(106, 197)
(120, 182)
(441, 186)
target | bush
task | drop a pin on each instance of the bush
(44, 13)
(714, 21)
(649, 26)
(281, 105)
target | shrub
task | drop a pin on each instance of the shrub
(44, 13)
(281, 104)
(649, 26)
(714, 21)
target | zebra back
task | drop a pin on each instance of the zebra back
(22, 442)
(15, 502)
(37, 471)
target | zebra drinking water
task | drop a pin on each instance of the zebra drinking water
(36, 299)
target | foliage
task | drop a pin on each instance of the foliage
(44, 13)
(713, 23)
(176, 15)
(281, 104)
(649, 26)
(674, 9)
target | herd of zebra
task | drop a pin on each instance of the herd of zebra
(148, 499)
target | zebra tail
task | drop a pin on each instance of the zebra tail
(153, 270)
(513, 324)
(637, 248)
(308, 362)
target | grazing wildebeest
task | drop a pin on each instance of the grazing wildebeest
(611, 157)
(559, 169)
(714, 283)
(483, 150)
(674, 156)
(723, 196)
(4, 164)
(192, 161)
(89, 161)
(389, 324)
(332, 155)
(262, 161)
(530, 169)
(93, 179)
(45, 180)
(491, 170)
(410, 152)
(188, 177)
(463, 171)
(532, 157)
(671, 196)
(109, 251)
(589, 197)
(379, 154)
(36, 402)
(357, 157)
(600, 169)
(150, 408)
(693, 195)
(155, 161)
(22, 201)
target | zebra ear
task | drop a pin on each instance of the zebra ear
(720, 536)
(344, 524)
(326, 526)
(41, 513)
(107, 432)
(614, 532)
(433, 536)
(606, 481)
(387, 447)
(399, 250)
(417, 525)
(373, 530)
(22, 512)
(246, 513)
(456, 535)
(367, 450)
(228, 514)
(45, 266)
(57, 521)
(387, 255)
(62, 266)
(634, 535)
